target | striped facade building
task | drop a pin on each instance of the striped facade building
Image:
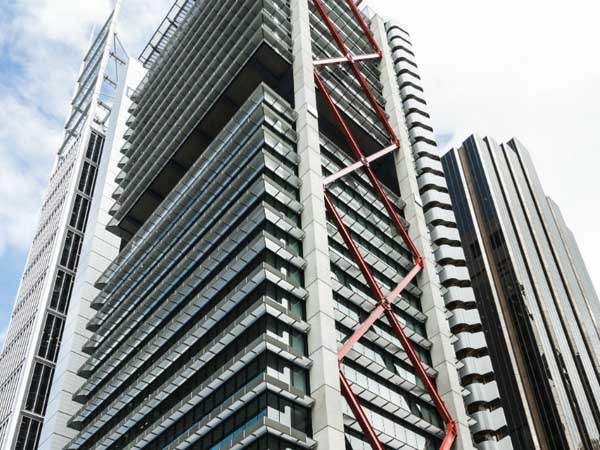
(540, 311)
(71, 248)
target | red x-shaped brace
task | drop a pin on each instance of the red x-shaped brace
(363, 162)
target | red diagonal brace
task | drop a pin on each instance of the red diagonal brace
(360, 262)
(402, 285)
(363, 25)
(358, 154)
(343, 59)
(418, 366)
(376, 314)
(383, 306)
(359, 413)
(358, 164)
(360, 331)
(354, 65)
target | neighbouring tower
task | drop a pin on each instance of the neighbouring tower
(539, 308)
(42, 348)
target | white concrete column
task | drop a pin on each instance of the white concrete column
(432, 302)
(327, 419)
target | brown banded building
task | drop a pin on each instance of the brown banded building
(536, 300)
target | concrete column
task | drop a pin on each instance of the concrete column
(327, 419)
(438, 330)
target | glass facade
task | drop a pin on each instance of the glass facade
(212, 350)
(200, 338)
(381, 375)
(525, 283)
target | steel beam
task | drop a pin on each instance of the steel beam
(384, 304)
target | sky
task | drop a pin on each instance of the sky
(528, 69)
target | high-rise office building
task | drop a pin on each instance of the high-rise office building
(70, 249)
(539, 308)
(263, 202)
(288, 272)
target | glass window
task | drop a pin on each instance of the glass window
(71, 250)
(29, 434)
(94, 149)
(51, 338)
(87, 179)
(80, 212)
(39, 388)
(62, 291)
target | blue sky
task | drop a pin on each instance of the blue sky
(42, 43)
(512, 68)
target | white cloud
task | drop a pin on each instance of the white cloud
(41, 46)
(23, 170)
(42, 43)
(519, 68)
(508, 68)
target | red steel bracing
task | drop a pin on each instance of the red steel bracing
(384, 304)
